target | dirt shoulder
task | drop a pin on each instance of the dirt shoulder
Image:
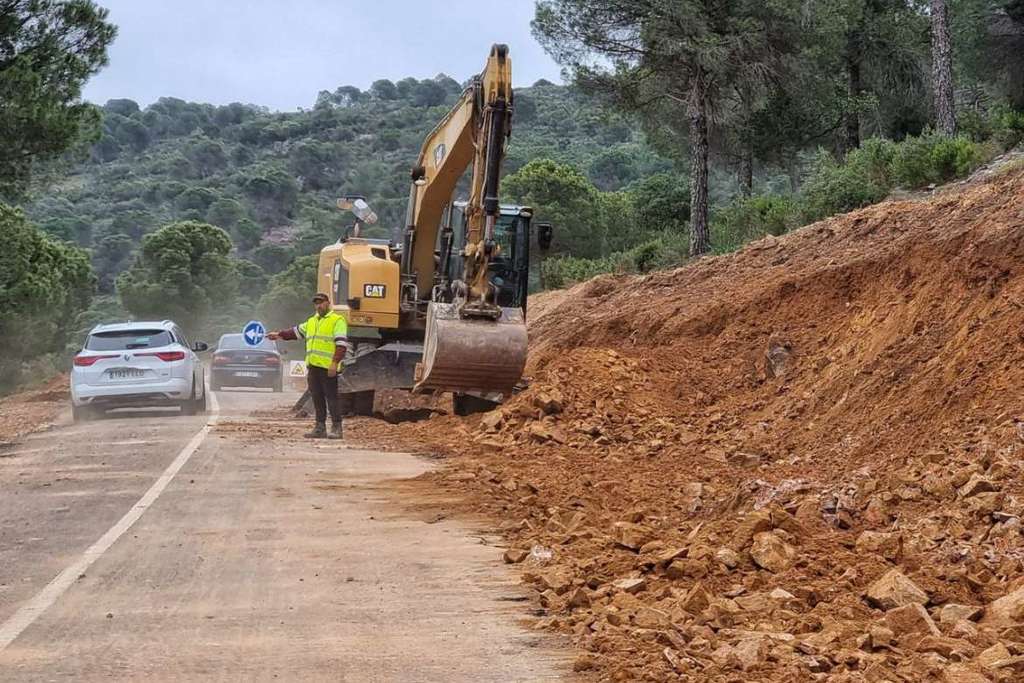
(34, 410)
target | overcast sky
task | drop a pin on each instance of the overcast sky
(281, 53)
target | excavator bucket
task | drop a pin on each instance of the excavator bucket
(472, 354)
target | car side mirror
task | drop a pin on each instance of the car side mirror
(199, 347)
(545, 234)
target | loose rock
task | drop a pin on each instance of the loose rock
(893, 590)
(772, 553)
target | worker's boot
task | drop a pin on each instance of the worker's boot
(319, 432)
(335, 432)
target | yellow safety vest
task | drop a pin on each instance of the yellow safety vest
(320, 336)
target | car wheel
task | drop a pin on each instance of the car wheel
(189, 405)
(201, 403)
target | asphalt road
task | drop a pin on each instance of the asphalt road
(159, 546)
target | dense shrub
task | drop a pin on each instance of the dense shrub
(665, 251)
(568, 270)
(930, 158)
(871, 172)
(834, 187)
(751, 219)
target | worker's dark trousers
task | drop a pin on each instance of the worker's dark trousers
(324, 391)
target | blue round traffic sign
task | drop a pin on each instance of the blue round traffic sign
(254, 332)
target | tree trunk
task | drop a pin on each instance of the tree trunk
(854, 87)
(700, 241)
(747, 173)
(942, 69)
(793, 171)
(746, 137)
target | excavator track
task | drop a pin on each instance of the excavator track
(472, 354)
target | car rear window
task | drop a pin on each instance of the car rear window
(233, 342)
(123, 340)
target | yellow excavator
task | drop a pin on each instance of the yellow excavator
(444, 310)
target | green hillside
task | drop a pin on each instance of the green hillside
(270, 179)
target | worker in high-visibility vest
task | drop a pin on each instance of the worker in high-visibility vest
(326, 335)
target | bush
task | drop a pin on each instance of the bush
(1002, 125)
(568, 270)
(836, 188)
(751, 219)
(931, 158)
(666, 251)
(43, 285)
(286, 301)
(871, 172)
(1008, 127)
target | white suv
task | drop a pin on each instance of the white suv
(137, 364)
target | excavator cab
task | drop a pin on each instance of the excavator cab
(508, 269)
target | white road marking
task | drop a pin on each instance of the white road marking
(44, 599)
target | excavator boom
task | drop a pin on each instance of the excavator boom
(471, 343)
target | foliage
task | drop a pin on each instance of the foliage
(287, 301)
(665, 251)
(568, 270)
(662, 202)
(933, 158)
(48, 48)
(618, 218)
(1002, 125)
(103, 309)
(835, 187)
(871, 172)
(772, 82)
(564, 197)
(183, 272)
(752, 218)
(270, 179)
(43, 286)
(681, 65)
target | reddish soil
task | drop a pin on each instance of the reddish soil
(33, 410)
(714, 464)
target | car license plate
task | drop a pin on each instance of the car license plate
(127, 373)
(247, 374)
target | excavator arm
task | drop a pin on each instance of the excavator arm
(470, 344)
(473, 132)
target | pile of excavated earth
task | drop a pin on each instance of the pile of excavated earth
(801, 461)
(32, 410)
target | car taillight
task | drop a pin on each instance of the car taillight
(272, 360)
(86, 361)
(220, 360)
(166, 355)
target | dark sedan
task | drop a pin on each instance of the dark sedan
(236, 364)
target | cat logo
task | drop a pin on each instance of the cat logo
(374, 291)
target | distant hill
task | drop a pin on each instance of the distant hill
(271, 179)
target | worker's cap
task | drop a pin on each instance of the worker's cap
(320, 296)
